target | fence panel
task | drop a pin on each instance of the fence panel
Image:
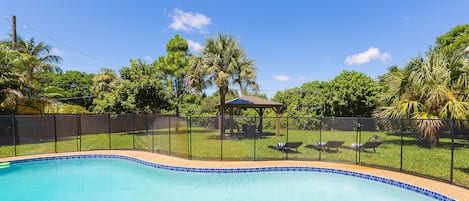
(338, 136)
(461, 152)
(268, 143)
(66, 127)
(238, 143)
(143, 136)
(7, 141)
(95, 132)
(179, 137)
(205, 138)
(35, 134)
(305, 132)
(418, 158)
(122, 131)
(162, 136)
(381, 142)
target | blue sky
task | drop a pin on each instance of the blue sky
(292, 41)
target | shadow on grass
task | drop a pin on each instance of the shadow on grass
(445, 143)
(465, 170)
(242, 136)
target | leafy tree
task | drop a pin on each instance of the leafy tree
(352, 94)
(306, 100)
(457, 39)
(427, 89)
(348, 94)
(139, 91)
(77, 84)
(102, 82)
(173, 68)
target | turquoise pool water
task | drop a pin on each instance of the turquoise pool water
(118, 180)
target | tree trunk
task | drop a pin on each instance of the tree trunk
(432, 140)
(220, 117)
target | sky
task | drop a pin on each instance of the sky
(292, 42)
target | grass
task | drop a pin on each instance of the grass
(205, 144)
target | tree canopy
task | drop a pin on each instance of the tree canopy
(457, 39)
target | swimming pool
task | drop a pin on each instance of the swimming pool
(109, 177)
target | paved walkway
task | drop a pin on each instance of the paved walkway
(455, 192)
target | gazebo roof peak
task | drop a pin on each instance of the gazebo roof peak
(252, 101)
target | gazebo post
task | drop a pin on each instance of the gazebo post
(231, 120)
(277, 125)
(277, 121)
(261, 114)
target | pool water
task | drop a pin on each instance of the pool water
(118, 180)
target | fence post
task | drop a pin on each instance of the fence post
(401, 129)
(133, 132)
(146, 124)
(357, 141)
(255, 136)
(452, 151)
(222, 134)
(188, 129)
(190, 137)
(320, 134)
(153, 138)
(169, 135)
(13, 131)
(78, 121)
(109, 130)
(55, 134)
(286, 153)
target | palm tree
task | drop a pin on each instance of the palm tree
(428, 89)
(222, 63)
(36, 57)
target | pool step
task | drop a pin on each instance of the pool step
(4, 165)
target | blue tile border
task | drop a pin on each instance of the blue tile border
(391, 182)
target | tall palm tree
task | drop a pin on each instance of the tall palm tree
(222, 63)
(428, 89)
(36, 57)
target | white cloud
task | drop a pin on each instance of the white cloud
(369, 55)
(147, 58)
(282, 78)
(188, 21)
(55, 51)
(195, 46)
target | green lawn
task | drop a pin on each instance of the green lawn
(205, 144)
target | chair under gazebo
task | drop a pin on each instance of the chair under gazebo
(256, 103)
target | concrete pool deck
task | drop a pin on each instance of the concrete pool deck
(453, 191)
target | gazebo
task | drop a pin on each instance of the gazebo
(256, 103)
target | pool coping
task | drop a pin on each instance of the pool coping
(435, 189)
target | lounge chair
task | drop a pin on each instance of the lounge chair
(332, 144)
(287, 146)
(370, 145)
(367, 145)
